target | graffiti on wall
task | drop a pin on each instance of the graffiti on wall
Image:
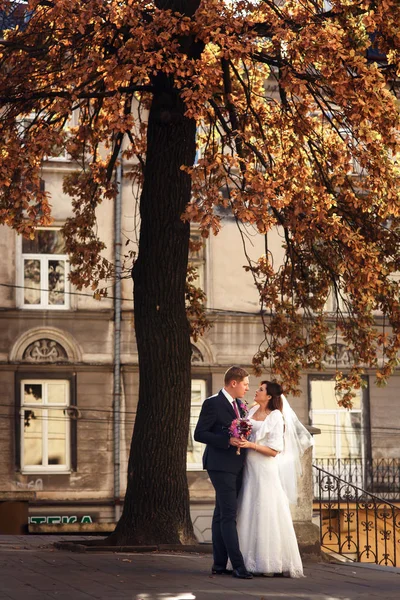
(59, 520)
(34, 484)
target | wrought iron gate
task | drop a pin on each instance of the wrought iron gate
(355, 523)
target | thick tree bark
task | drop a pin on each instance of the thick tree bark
(156, 508)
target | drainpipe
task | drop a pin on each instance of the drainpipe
(117, 339)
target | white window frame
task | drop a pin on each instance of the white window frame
(44, 406)
(338, 427)
(73, 121)
(194, 415)
(339, 433)
(348, 137)
(334, 304)
(198, 260)
(44, 270)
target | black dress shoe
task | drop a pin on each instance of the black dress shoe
(220, 571)
(242, 573)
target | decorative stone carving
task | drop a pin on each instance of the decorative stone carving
(45, 351)
(341, 356)
(197, 356)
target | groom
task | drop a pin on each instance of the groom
(224, 467)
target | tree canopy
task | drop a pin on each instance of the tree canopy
(319, 159)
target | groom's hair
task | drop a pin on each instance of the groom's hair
(275, 391)
(235, 373)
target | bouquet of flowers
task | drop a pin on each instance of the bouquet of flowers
(240, 428)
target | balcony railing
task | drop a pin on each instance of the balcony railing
(377, 476)
(356, 524)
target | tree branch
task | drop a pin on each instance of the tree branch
(60, 94)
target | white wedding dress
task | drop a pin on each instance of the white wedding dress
(264, 523)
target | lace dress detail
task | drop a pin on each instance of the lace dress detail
(264, 522)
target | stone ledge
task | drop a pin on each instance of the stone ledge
(100, 546)
(17, 496)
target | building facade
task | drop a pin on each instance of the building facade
(57, 369)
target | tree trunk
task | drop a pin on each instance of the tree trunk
(156, 508)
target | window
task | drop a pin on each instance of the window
(44, 271)
(14, 14)
(45, 425)
(353, 145)
(334, 304)
(197, 258)
(342, 430)
(46, 418)
(343, 447)
(195, 449)
(59, 153)
(29, 120)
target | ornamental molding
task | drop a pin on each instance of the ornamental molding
(197, 356)
(63, 345)
(45, 351)
(341, 356)
(202, 353)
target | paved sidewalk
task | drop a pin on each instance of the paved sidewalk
(31, 569)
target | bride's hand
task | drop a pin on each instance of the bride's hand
(246, 444)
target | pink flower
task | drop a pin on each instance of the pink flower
(240, 428)
(243, 405)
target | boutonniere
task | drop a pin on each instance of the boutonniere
(243, 406)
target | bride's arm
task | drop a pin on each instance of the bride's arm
(258, 448)
(271, 434)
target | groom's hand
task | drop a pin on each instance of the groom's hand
(235, 441)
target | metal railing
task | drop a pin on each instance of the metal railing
(377, 476)
(356, 524)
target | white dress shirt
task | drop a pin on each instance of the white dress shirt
(231, 400)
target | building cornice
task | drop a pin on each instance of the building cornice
(40, 315)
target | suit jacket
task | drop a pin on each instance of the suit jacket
(216, 416)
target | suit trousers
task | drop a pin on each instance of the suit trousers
(224, 534)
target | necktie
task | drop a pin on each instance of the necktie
(235, 408)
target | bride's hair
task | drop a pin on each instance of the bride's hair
(274, 390)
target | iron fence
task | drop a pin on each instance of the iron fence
(377, 476)
(355, 523)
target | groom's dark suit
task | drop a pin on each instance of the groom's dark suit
(225, 469)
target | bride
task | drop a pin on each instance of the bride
(264, 523)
